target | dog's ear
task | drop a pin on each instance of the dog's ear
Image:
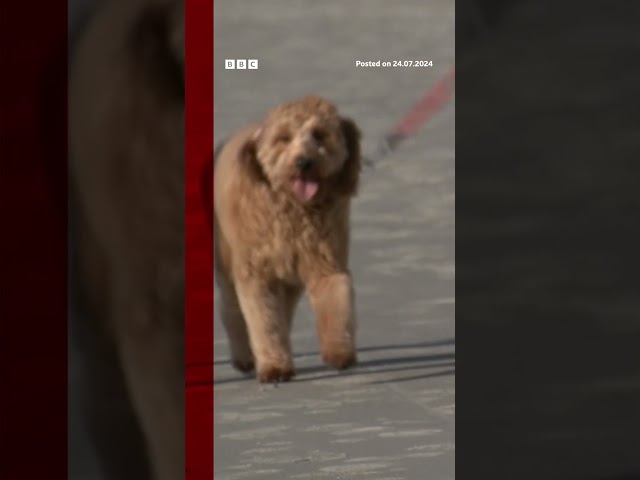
(249, 158)
(349, 176)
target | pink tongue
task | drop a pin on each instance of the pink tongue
(305, 189)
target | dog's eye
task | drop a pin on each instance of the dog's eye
(283, 138)
(318, 135)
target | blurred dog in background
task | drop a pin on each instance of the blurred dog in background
(126, 144)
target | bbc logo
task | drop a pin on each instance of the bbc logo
(241, 64)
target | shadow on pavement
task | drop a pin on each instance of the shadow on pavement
(405, 346)
(380, 366)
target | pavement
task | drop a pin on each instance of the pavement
(393, 416)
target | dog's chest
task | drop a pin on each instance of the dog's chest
(291, 244)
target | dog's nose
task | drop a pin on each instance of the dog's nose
(304, 163)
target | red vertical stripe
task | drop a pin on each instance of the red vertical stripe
(199, 246)
(33, 240)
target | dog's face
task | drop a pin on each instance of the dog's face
(306, 149)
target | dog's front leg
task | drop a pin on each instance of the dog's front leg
(332, 299)
(264, 307)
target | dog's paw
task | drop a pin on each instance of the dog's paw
(340, 359)
(274, 373)
(244, 366)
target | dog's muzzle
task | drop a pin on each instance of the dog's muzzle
(304, 164)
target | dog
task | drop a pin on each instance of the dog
(126, 146)
(282, 196)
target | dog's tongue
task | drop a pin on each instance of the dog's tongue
(305, 189)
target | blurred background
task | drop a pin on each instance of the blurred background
(104, 439)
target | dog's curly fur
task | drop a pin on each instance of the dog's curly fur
(282, 197)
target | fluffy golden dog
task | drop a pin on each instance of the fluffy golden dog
(282, 195)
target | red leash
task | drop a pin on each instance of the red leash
(430, 103)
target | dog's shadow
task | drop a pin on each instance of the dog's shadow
(380, 360)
